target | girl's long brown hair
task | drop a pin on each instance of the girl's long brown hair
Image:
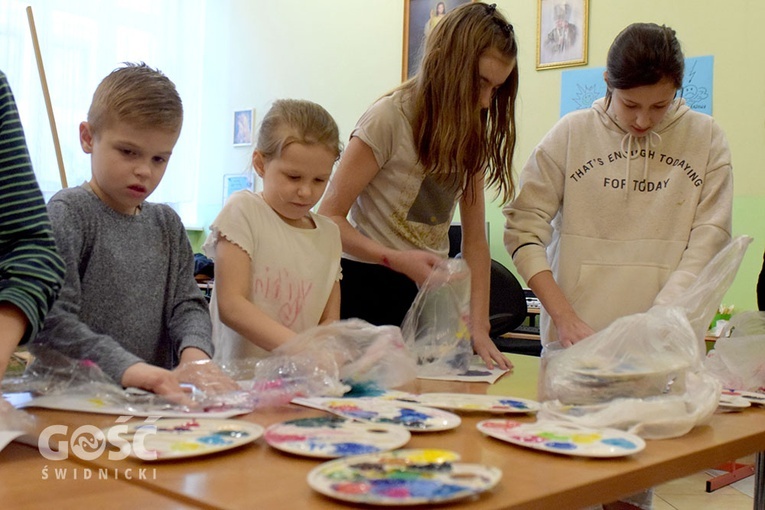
(455, 139)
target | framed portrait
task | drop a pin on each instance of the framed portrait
(420, 16)
(562, 33)
(243, 122)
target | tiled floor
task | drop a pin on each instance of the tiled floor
(690, 494)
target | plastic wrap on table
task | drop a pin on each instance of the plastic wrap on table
(15, 420)
(657, 417)
(738, 356)
(323, 361)
(51, 373)
(645, 372)
(435, 328)
(351, 352)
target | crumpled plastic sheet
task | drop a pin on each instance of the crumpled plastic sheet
(645, 372)
(738, 356)
(323, 361)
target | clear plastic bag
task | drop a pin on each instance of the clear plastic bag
(52, 373)
(435, 328)
(645, 372)
(657, 417)
(738, 357)
(353, 352)
(327, 361)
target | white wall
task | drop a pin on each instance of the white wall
(342, 54)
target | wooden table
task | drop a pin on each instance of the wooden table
(27, 482)
(257, 476)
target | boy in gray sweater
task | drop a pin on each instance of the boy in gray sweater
(130, 302)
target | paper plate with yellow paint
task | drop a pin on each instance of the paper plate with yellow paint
(174, 438)
(402, 477)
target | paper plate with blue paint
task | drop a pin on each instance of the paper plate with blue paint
(414, 417)
(564, 438)
(329, 437)
(175, 438)
(478, 403)
(402, 477)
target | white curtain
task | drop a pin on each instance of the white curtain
(81, 42)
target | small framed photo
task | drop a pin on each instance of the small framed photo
(562, 33)
(243, 122)
(420, 17)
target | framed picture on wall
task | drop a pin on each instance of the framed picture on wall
(562, 33)
(243, 122)
(237, 182)
(420, 16)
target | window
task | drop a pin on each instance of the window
(81, 42)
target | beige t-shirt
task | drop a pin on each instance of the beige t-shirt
(402, 207)
(292, 269)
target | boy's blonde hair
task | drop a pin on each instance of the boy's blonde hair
(138, 95)
(297, 121)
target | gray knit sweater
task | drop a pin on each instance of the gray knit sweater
(130, 293)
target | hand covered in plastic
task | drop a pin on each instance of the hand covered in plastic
(206, 376)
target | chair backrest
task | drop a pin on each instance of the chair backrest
(507, 301)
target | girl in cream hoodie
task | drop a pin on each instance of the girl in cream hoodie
(622, 204)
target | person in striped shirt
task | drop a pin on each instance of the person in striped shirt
(31, 270)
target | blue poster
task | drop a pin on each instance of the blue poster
(579, 88)
(236, 182)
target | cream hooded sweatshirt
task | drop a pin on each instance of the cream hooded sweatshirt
(622, 222)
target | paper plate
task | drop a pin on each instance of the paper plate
(754, 397)
(175, 438)
(331, 436)
(733, 402)
(402, 477)
(564, 438)
(623, 372)
(478, 403)
(414, 417)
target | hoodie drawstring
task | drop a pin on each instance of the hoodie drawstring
(653, 139)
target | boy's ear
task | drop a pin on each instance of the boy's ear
(86, 137)
(258, 163)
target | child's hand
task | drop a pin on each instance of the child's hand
(207, 376)
(487, 350)
(157, 380)
(572, 331)
(416, 264)
(5, 406)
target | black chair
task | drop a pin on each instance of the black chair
(507, 311)
(507, 301)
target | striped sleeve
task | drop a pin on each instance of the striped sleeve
(31, 271)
